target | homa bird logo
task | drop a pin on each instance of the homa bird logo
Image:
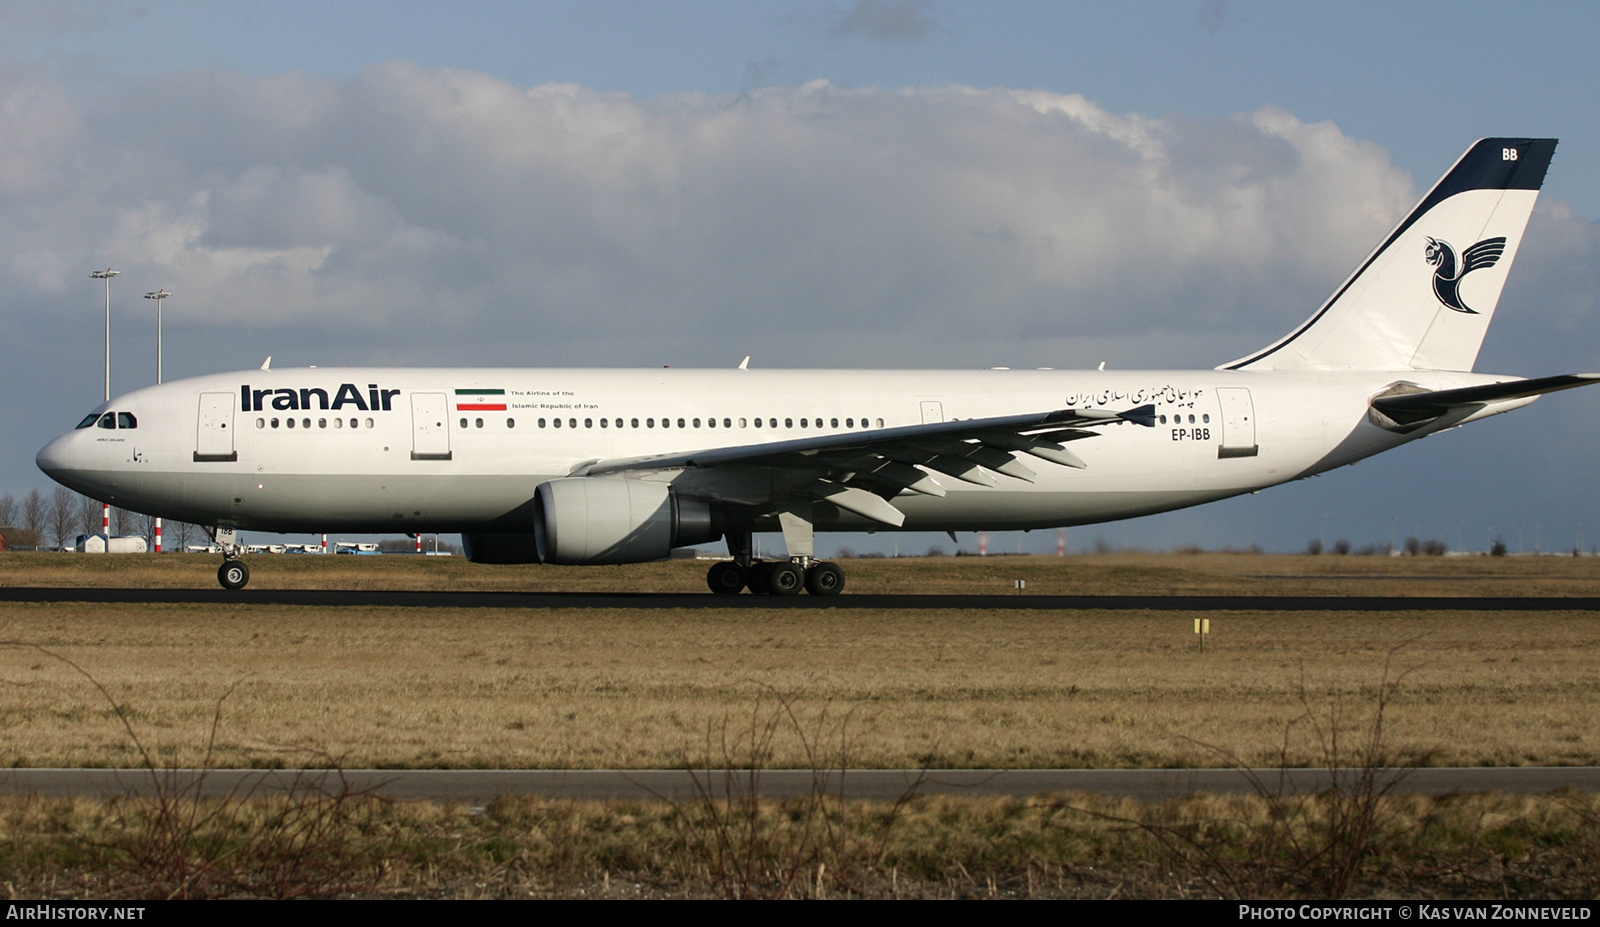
(1447, 278)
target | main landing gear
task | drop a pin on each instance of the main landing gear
(778, 577)
(781, 577)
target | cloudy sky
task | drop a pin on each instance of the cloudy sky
(904, 183)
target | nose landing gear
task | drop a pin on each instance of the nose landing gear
(233, 574)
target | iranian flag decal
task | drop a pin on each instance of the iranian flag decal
(480, 400)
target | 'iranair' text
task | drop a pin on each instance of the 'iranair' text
(290, 400)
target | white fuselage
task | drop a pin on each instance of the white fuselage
(412, 450)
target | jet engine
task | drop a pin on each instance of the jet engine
(593, 520)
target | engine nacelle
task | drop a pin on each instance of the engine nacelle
(594, 520)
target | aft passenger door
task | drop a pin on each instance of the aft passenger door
(1238, 423)
(430, 426)
(215, 439)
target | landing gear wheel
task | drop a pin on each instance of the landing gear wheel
(825, 579)
(233, 574)
(786, 579)
(726, 578)
(758, 577)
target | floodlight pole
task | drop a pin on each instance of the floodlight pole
(158, 296)
(106, 275)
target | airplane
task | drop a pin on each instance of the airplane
(589, 466)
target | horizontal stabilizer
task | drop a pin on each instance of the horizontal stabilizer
(1435, 402)
(1405, 410)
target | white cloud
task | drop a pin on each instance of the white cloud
(802, 223)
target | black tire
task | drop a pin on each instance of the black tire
(233, 574)
(786, 579)
(757, 578)
(726, 578)
(825, 579)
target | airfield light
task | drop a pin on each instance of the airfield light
(158, 296)
(106, 275)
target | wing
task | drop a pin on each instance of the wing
(1483, 254)
(861, 471)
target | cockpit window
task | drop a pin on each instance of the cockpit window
(108, 420)
(89, 420)
(126, 420)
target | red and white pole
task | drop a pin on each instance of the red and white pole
(158, 535)
(105, 521)
(983, 544)
(324, 543)
(419, 542)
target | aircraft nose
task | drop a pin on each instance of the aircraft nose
(57, 459)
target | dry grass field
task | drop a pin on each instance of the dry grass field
(570, 687)
(1489, 847)
(601, 688)
(1103, 574)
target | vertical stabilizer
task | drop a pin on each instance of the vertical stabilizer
(1424, 297)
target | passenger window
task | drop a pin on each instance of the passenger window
(478, 423)
(261, 423)
(511, 423)
(369, 423)
(697, 423)
(634, 422)
(463, 423)
(322, 423)
(274, 423)
(306, 422)
(337, 423)
(108, 420)
(289, 422)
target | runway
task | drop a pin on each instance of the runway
(478, 787)
(324, 598)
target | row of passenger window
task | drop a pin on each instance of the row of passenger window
(306, 423)
(110, 420)
(1178, 419)
(696, 423)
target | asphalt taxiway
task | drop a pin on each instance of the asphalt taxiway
(330, 598)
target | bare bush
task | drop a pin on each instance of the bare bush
(750, 847)
(311, 837)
